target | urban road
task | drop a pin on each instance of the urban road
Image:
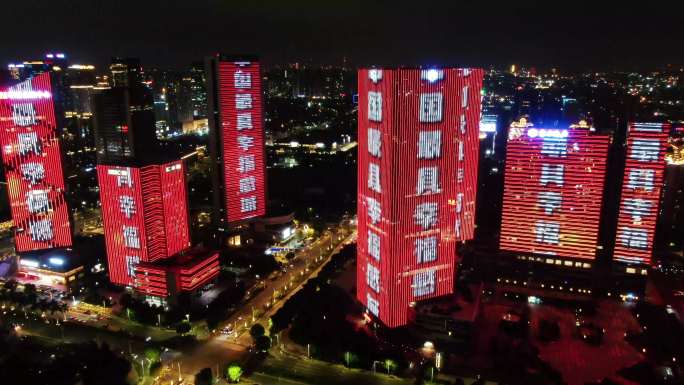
(223, 348)
(92, 323)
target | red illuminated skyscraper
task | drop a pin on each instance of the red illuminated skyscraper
(33, 165)
(236, 137)
(643, 181)
(553, 191)
(417, 175)
(144, 210)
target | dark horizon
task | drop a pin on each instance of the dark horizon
(174, 34)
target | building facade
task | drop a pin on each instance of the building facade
(553, 192)
(33, 165)
(236, 138)
(144, 212)
(124, 125)
(184, 273)
(641, 187)
(417, 179)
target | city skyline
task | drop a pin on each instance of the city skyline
(472, 193)
(574, 38)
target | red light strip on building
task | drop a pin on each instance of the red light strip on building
(553, 191)
(241, 123)
(641, 186)
(33, 166)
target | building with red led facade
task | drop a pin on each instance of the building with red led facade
(236, 138)
(33, 165)
(145, 216)
(417, 178)
(553, 193)
(185, 272)
(143, 194)
(641, 187)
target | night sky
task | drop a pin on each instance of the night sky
(168, 33)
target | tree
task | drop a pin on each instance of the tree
(183, 328)
(153, 355)
(10, 285)
(30, 292)
(234, 372)
(390, 365)
(263, 343)
(204, 377)
(256, 331)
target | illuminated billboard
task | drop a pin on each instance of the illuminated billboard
(144, 211)
(553, 191)
(242, 138)
(33, 165)
(417, 179)
(641, 186)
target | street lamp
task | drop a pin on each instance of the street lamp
(187, 317)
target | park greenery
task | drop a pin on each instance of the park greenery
(36, 363)
(317, 316)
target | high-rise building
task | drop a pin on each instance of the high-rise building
(236, 139)
(417, 179)
(124, 125)
(641, 187)
(553, 192)
(670, 232)
(33, 165)
(126, 72)
(198, 91)
(144, 197)
(144, 210)
(79, 135)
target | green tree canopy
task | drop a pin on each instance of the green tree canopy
(233, 372)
